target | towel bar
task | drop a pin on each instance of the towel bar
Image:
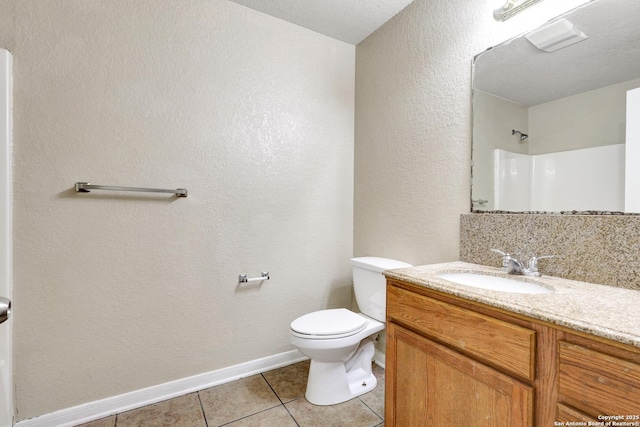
(85, 187)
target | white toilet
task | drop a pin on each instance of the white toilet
(339, 342)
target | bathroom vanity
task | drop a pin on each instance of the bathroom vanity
(459, 355)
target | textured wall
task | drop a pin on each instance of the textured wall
(116, 292)
(590, 119)
(413, 128)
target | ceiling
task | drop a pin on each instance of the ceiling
(348, 20)
(516, 70)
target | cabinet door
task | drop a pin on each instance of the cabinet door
(428, 384)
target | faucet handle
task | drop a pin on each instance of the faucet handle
(505, 258)
(533, 262)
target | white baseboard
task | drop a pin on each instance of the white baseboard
(136, 399)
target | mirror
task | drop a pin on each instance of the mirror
(550, 129)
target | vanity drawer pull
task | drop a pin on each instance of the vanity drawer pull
(495, 342)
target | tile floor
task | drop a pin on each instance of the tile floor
(272, 399)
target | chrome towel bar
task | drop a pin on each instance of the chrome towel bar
(243, 278)
(84, 187)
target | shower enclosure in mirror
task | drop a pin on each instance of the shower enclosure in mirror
(559, 130)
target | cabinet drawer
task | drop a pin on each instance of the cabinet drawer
(503, 345)
(597, 383)
(567, 413)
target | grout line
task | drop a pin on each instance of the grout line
(250, 415)
(290, 414)
(204, 415)
(281, 402)
(272, 389)
(370, 408)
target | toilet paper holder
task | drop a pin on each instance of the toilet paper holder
(5, 309)
(242, 278)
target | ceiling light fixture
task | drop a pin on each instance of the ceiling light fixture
(511, 8)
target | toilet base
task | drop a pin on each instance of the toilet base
(337, 382)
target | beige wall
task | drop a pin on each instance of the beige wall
(116, 292)
(590, 119)
(413, 127)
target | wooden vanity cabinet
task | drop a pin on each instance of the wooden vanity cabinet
(449, 365)
(454, 362)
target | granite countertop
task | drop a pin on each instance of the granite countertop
(601, 310)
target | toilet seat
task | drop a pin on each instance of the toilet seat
(328, 324)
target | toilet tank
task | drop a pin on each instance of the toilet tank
(369, 284)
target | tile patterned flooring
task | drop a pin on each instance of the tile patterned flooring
(272, 399)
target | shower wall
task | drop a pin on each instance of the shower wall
(588, 179)
(116, 292)
(632, 152)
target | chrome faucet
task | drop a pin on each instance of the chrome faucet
(506, 259)
(512, 266)
(515, 267)
(533, 264)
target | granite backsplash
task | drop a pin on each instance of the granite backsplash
(603, 249)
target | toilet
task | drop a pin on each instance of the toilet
(339, 342)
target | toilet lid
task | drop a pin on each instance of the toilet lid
(337, 321)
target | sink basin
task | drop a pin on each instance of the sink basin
(502, 284)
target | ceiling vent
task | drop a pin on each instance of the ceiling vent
(556, 35)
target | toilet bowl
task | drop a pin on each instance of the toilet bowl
(340, 342)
